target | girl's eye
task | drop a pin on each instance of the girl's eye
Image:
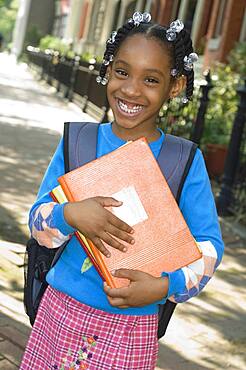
(121, 72)
(151, 80)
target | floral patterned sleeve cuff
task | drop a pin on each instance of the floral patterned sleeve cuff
(48, 225)
(188, 281)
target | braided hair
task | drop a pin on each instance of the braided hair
(177, 50)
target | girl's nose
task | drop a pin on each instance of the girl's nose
(131, 88)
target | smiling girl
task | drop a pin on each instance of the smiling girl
(81, 323)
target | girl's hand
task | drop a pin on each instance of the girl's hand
(98, 224)
(143, 289)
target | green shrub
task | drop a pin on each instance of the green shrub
(8, 12)
(222, 107)
(178, 119)
(54, 43)
(223, 99)
(237, 59)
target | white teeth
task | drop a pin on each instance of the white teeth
(135, 109)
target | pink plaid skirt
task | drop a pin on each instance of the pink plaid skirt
(68, 335)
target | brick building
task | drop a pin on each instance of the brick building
(215, 25)
(209, 21)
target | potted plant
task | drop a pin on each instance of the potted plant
(215, 148)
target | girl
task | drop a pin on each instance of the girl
(81, 323)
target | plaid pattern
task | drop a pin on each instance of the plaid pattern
(198, 273)
(68, 335)
(43, 229)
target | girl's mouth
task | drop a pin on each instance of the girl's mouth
(129, 109)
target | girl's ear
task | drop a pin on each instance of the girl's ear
(109, 70)
(177, 87)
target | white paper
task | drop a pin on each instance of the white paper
(132, 210)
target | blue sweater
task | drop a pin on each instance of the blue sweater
(48, 225)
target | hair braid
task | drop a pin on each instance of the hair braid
(183, 47)
(189, 74)
(112, 47)
(178, 53)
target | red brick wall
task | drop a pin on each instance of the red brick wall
(231, 28)
(201, 36)
(165, 12)
(233, 23)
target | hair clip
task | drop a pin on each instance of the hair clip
(108, 59)
(139, 17)
(185, 100)
(102, 80)
(174, 28)
(189, 60)
(113, 35)
(174, 72)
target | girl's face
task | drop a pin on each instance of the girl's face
(139, 84)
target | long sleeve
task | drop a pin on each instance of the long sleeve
(198, 208)
(46, 218)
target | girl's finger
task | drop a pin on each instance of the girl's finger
(100, 246)
(112, 219)
(116, 302)
(108, 201)
(123, 306)
(113, 242)
(116, 292)
(113, 230)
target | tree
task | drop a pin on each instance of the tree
(5, 3)
(8, 11)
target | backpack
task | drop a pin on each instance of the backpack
(80, 142)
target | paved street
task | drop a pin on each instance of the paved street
(206, 333)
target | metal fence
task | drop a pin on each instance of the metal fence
(73, 78)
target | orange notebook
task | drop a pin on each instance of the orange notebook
(131, 174)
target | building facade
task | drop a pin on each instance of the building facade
(209, 22)
(35, 19)
(227, 25)
(215, 25)
(91, 21)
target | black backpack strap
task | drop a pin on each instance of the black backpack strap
(186, 170)
(80, 143)
(80, 139)
(175, 153)
(175, 159)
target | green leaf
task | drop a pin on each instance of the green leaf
(86, 265)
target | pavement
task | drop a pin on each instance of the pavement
(206, 333)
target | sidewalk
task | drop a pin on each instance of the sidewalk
(206, 333)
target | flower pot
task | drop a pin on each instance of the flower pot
(215, 156)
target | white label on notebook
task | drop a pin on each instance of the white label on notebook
(132, 210)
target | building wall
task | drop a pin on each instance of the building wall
(73, 21)
(61, 16)
(90, 22)
(200, 24)
(162, 11)
(219, 45)
(41, 15)
(34, 20)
